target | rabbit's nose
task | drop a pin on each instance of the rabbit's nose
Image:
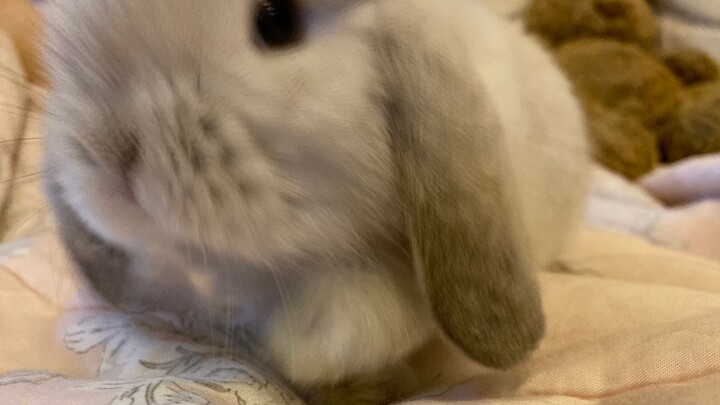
(611, 9)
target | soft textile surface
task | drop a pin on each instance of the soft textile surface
(677, 206)
(51, 323)
(693, 186)
(627, 323)
(689, 181)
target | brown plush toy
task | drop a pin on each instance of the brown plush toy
(621, 144)
(643, 106)
(698, 130)
(561, 21)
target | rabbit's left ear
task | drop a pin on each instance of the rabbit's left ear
(453, 168)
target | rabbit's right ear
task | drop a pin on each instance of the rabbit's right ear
(452, 163)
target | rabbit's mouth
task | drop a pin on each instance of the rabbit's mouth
(106, 202)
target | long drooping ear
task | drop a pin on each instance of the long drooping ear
(453, 168)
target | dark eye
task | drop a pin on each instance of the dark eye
(278, 23)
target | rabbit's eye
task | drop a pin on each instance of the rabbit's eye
(278, 23)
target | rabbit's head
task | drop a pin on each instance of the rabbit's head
(251, 127)
(275, 129)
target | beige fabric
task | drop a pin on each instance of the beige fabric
(628, 323)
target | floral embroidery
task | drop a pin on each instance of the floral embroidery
(145, 361)
(28, 377)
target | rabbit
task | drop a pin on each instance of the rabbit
(342, 180)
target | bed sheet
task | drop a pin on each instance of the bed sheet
(628, 322)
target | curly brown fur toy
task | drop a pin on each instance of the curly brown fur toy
(560, 21)
(643, 105)
(691, 66)
(698, 129)
(624, 78)
(699, 123)
(621, 143)
(630, 98)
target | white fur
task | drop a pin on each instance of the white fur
(544, 126)
(299, 220)
(347, 321)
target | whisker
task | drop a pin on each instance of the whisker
(228, 332)
(285, 299)
(18, 110)
(33, 214)
(19, 178)
(17, 81)
(14, 162)
(29, 117)
(27, 106)
(20, 140)
(209, 306)
(21, 111)
(8, 71)
(20, 82)
(63, 273)
(17, 77)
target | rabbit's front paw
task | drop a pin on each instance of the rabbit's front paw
(386, 386)
(347, 323)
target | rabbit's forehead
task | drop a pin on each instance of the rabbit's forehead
(123, 35)
(112, 60)
(189, 14)
(119, 25)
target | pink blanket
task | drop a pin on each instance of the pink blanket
(628, 323)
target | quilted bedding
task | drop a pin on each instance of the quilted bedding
(633, 310)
